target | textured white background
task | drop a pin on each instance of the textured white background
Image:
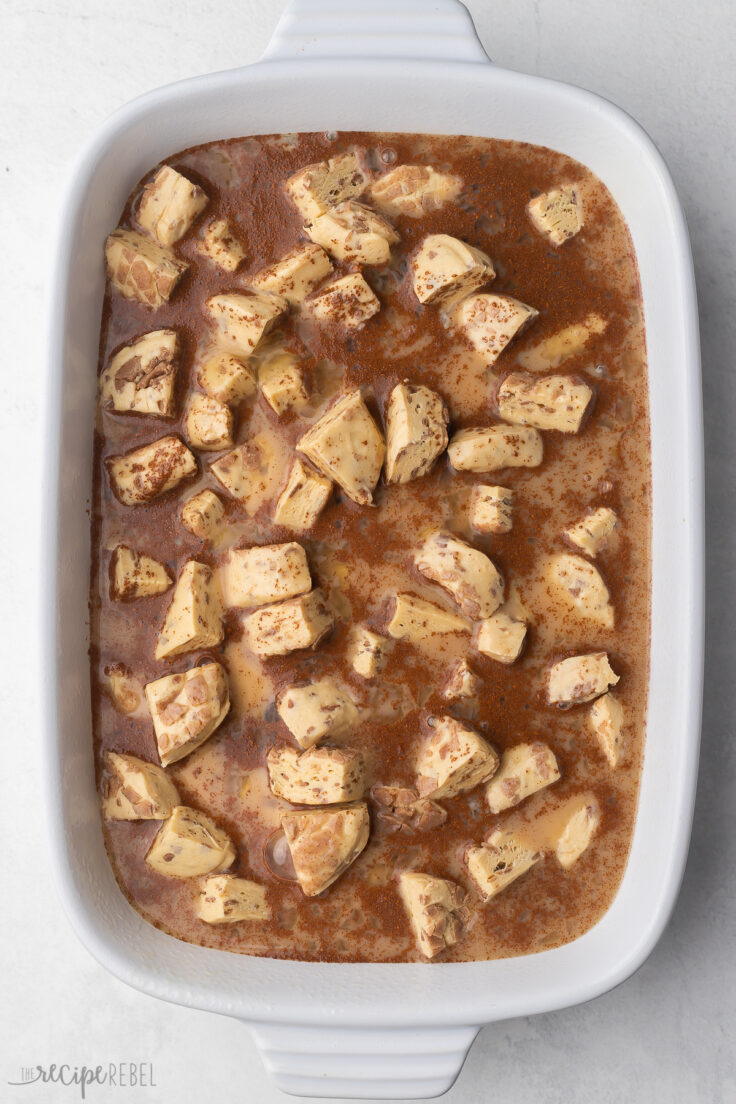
(666, 1035)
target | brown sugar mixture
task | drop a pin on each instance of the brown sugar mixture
(371, 547)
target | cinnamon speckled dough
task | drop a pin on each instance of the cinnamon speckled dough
(346, 445)
(346, 303)
(416, 431)
(303, 498)
(135, 575)
(489, 322)
(580, 678)
(498, 446)
(503, 858)
(437, 910)
(264, 574)
(149, 471)
(318, 776)
(288, 626)
(190, 843)
(324, 842)
(316, 188)
(169, 205)
(352, 232)
(453, 759)
(140, 377)
(295, 275)
(414, 190)
(225, 899)
(141, 269)
(194, 617)
(136, 790)
(314, 711)
(465, 572)
(186, 708)
(445, 268)
(524, 770)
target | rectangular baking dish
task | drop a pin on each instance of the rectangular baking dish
(381, 1030)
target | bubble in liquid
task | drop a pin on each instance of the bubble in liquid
(331, 135)
(277, 857)
(388, 156)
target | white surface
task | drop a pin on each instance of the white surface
(661, 1035)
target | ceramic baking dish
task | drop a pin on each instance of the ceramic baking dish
(377, 1030)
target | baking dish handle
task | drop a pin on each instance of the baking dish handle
(430, 29)
(363, 1063)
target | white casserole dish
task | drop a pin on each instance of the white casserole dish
(377, 1030)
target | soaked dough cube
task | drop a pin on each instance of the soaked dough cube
(580, 678)
(415, 619)
(591, 533)
(466, 574)
(324, 843)
(136, 790)
(140, 269)
(436, 908)
(203, 515)
(348, 302)
(244, 473)
(606, 718)
(316, 188)
(498, 446)
(227, 378)
(208, 424)
(283, 383)
(134, 575)
(269, 573)
(525, 770)
(169, 205)
(559, 347)
(413, 190)
(351, 232)
(453, 760)
(546, 402)
(416, 431)
(123, 688)
(319, 776)
(289, 626)
(244, 318)
(312, 711)
(581, 586)
(576, 837)
(446, 269)
(303, 498)
(145, 473)
(297, 274)
(368, 651)
(500, 637)
(194, 618)
(187, 708)
(463, 683)
(490, 322)
(557, 213)
(347, 446)
(226, 899)
(503, 858)
(140, 377)
(491, 509)
(221, 246)
(189, 844)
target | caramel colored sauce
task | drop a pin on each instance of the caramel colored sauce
(362, 556)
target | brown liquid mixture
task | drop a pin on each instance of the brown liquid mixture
(361, 556)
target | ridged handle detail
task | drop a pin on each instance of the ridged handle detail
(417, 29)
